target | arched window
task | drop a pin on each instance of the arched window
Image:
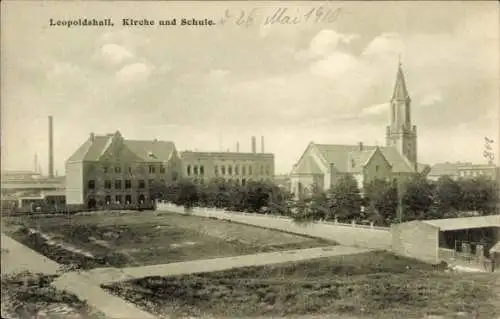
(216, 170)
(202, 170)
(243, 170)
(249, 169)
(188, 170)
(128, 199)
(236, 170)
(230, 170)
(195, 170)
(223, 170)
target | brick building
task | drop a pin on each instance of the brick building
(108, 170)
(232, 166)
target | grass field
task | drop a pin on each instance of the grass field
(26, 295)
(374, 285)
(145, 238)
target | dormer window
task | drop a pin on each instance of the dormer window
(151, 155)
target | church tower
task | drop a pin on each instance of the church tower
(401, 133)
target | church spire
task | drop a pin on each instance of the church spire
(400, 92)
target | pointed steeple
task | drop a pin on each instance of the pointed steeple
(400, 92)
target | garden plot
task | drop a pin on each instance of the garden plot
(370, 285)
(142, 238)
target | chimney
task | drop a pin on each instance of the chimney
(361, 146)
(36, 163)
(262, 144)
(92, 136)
(51, 148)
(237, 147)
(254, 145)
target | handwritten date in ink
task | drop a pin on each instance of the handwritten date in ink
(281, 16)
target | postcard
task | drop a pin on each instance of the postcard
(250, 159)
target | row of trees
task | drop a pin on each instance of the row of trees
(381, 202)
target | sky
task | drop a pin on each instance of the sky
(207, 88)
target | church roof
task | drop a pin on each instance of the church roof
(307, 166)
(358, 159)
(339, 155)
(400, 92)
(93, 148)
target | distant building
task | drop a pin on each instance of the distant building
(232, 166)
(321, 165)
(110, 170)
(463, 170)
(283, 181)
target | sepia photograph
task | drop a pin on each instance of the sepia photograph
(250, 159)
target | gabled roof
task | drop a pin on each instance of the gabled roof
(307, 166)
(94, 148)
(151, 150)
(339, 156)
(358, 159)
(464, 222)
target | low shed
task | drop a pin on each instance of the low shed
(432, 240)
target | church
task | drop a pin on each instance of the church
(321, 165)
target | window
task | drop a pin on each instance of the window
(118, 184)
(377, 168)
(230, 170)
(128, 184)
(107, 199)
(107, 184)
(91, 184)
(162, 170)
(128, 199)
(236, 170)
(202, 170)
(105, 169)
(243, 182)
(151, 169)
(195, 170)
(118, 169)
(243, 170)
(216, 170)
(188, 170)
(118, 199)
(142, 184)
(249, 170)
(223, 170)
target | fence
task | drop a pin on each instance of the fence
(351, 234)
(466, 258)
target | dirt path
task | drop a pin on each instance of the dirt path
(17, 258)
(109, 275)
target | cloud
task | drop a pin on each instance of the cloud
(431, 99)
(327, 41)
(136, 72)
(376, 109)
(385, 44)
(115, 54)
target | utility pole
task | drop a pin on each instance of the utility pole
(400, 201)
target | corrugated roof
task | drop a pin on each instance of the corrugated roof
(339, 156)
(92, 150)
(465, 222)
(307, 166)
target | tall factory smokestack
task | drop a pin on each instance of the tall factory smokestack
(51, 148)
(254, 145)
(262, 144)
